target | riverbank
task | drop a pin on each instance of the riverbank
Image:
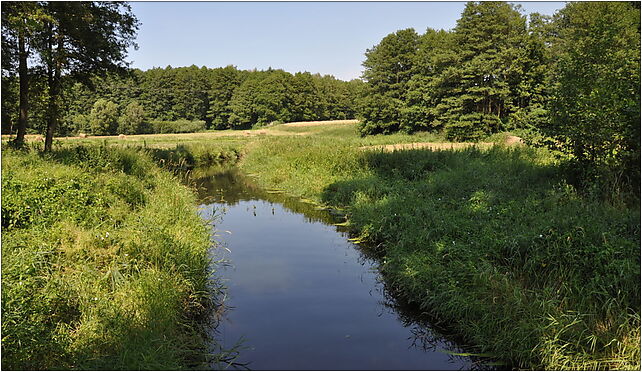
(105, 263)
(493, 242)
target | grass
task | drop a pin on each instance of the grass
(494, 241)
(105, 263)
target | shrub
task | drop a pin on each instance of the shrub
(177, 126)
(103, 118)
(132, 121)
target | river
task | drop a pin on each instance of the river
(301, 296)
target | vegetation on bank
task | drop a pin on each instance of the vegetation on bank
(104, 263)
(532, 258)
(495, 243)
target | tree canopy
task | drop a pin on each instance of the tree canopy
(572, 79)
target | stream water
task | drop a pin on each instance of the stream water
(301, 296)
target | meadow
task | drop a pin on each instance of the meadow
(493, 240)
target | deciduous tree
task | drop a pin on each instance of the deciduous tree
(80, 40)
(595, 103)
(103, 118)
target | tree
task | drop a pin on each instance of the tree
(595, 102)
(79, 40)
(434, 54)
(190, 88)
(263, 97)
(223, 83)
(243, 111)
(388, 68)
(80, 123)
(133, 119)
(481, 87)
(20, 22)
(305, 100)
(157, 92)
(103, 118)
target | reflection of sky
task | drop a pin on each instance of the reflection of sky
(303, 297)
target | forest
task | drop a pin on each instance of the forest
(492, 172)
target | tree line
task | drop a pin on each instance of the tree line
(192, 98)
(570, 81)
(187, 99)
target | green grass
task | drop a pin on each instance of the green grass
(105, 263)
(495, 243)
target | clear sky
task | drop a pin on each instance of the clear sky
(323, 37)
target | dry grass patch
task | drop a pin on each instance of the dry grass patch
(317, 123)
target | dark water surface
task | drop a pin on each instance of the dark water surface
(303, 297)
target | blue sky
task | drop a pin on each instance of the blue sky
(324, 37)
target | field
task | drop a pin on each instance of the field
(490, 238)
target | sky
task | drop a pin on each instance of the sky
(324, 37)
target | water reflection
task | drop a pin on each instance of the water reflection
(302, 297)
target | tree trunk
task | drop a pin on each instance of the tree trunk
(24, 90)
(54, 95)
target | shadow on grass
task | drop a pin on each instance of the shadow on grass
(497, 243)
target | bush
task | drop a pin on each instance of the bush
(103, 118)
(595, 103)
(132, 121)
(177, 126)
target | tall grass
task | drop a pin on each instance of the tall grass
(105, 263)
(495, 243)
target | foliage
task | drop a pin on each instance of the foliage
(103, 118)
(223, 83)
(595, 103)
(74, 39)
(483, 76)
(195, 94)
(570, 81)
(132, 120)
(388, 68)
(80, 123)
(177, 126)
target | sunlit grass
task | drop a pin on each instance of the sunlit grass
(105, 263)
